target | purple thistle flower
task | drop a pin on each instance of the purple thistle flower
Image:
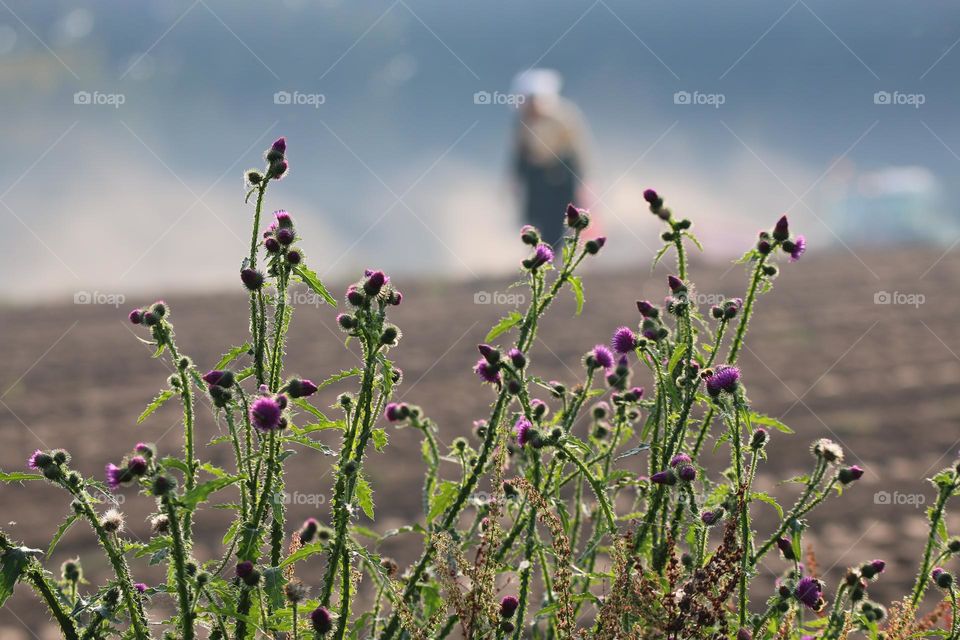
(509, 605)
(810, 592)
(664, 477)
(799, 246)
(850, 474)
(487, 372)
(541, 256)
(355, 296)
(680, 458)
(136, 316)
(251, 279)
(517, 358)
(265, 413)
(144, 449)
(676, 284)
(711, 518)
(724, 378)
(878, 566)
(140, 587)
(624, 340)
(283, 219)
(271, 244)
(116, 476)
(300, 388)
(39, 460)
(524, 430)
(573, 215)
(321, 620)
(650, 195)
(603, 356)
(279, 145)
(490, 354)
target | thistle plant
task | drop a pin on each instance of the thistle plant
(579, 508)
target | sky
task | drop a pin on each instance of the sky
(127, 127)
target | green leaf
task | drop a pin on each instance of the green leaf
(312, 410)
(12, 565)
(303, 553)
(656, 259)
(379, 438)
(232, 355)
(321, 426)
(308, 442)
(162, 397)
(506, 323)
(365, 496)
(767, 498)
(675, 358)
(576, 285)
(309, 278)
(202, 491)
(337, 377)
(632, 452)
(443, 498)
(19, 476)
(62, 529)
(273, 582)
(767, 421)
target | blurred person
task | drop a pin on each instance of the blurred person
(549, 151)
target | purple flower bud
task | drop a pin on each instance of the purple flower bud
(144, 449)
(680, 458)
(265, 413)
(137, 466)
(136, 316)
(687, 473)
(850, 474)
(244, 569)
(272, 245)
(573, 215)
(140, 587)
(374, 283)
(40, 460)
(218, 378)
(517, 359)
(646, 309)
(624, 340)
(664, 477)
(346, 321)
(508, 606)
(279, 145)
(744, 634)
(781, 231)
(251, 279)
(724, 378)
(355, 296)
(711, 518)
(294, 256)
(676, 284)
(786, 548)
(299, 388)
(878, 566)
(285, 236)
(487, 372)
(490, 354)
(393, 412)
(321, 620)
(650, 196)
(278, 169)
(602, 356)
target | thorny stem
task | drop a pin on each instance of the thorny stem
(755, 280)
(799, 508)
(179, 563)
(936, 515)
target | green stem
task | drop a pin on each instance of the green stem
(747, 311)
(180, 571)
(936, 516)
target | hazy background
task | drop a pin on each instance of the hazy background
(401, 167)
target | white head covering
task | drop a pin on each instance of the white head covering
(538, 82)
